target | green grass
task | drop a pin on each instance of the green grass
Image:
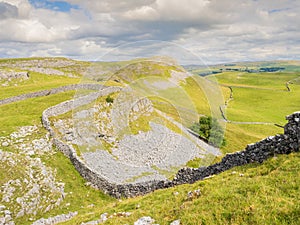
(260, 97)
(27, 112)
(273, 81)
(289, 66)
(263, 105)
(36, 82)
(140, 124)
(197, 96)
(168, 173)
(205, 161)
(164, 106)
(11, 60)
(133, 179)
(143, 123)
(239, 135)
(142, 69)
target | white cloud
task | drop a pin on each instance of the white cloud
(8, 11)
(146, 13)
(177, 10)
(23, 7)
(219, 30)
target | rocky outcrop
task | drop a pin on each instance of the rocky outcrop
(56, 219)
(48, 66)
(32, 188)
(38, 62)
(143, 107)
(10, 74)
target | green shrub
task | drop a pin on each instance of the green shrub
(109, 99)
(209, 129)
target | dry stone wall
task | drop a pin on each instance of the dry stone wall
(258, 152)
(51, 92)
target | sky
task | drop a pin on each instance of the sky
(215, 31)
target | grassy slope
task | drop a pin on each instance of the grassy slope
(261, 97)
(253, 194)
(263, 105)
(34, 84)
(27, 112)
(267, 193)
(238, 135)
(257, 80)
(257, 98)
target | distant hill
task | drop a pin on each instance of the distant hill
(251, 67)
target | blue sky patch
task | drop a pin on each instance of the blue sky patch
(278, 10)
(60, 6)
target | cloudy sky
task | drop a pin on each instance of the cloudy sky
(213, 30)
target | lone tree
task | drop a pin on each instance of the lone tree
(109, 99)
(209, 129)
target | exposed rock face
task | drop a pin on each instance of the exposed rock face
(56, 219)
(146, 220)
(48, 71)
(160, 146)
(43, 62)
(143, 107)
(258, 152)
(32, 188)
(5, 216)
(177, 77)
(10, 75)
(63, 67)
(175, 222)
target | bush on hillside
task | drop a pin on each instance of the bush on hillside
(209, 129)
(109, 99)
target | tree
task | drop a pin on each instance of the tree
(109, 99)
(210, 129)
